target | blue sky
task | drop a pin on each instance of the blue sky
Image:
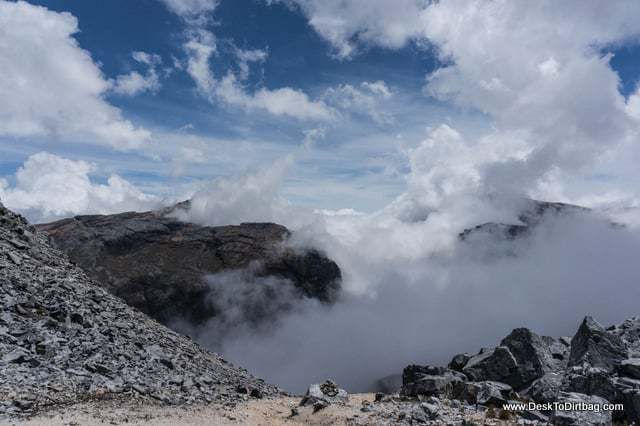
(297, 57)
(359, 157)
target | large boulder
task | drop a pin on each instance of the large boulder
(532, 354)
(559, 348)
(430, 381)
(580, 410)
(631, 401)
(485, 393)
(596, 347)
(458, 362)
(629, 332)
(630, 368)
(496, 364)
(545, 389)
(158, 264)
(591, 381)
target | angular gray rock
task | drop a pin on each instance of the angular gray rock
(630, 368)
(591, 381)
(545, 389)
(631, 400)
(597, 365)
(158, 264)
(458, 362)
(321, 395)
(430, 381)
(629, 332)
(497, 365)
(559, 349)
(582, 416)
(533, 357)
(593, 345)
(485, 393)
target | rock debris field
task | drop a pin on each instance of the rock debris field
(64, 339)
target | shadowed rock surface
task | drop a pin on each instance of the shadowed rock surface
(64, 338)
(158, 264)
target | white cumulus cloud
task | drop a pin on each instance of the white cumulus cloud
(49, 187)
(283, 101)
(348, 24)
(50, 86)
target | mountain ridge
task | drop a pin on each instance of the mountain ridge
(159, 264)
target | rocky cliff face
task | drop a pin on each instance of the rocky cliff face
(158, 264)
(63, 338)
(596, 366)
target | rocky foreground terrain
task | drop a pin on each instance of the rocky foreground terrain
(64, 339)
(159, 264)
(575, 377)
(597, 366)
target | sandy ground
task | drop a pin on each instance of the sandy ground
(253, 412)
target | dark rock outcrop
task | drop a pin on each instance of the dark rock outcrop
(594, 346)
(591, 381)
(64, 339)
(533, 357)
(158, 264)
(597, 366)
(458, 362)
(497, 365)
(545, 389)
(630, 368)
(430, 381)
(581, 416)
(485, 393)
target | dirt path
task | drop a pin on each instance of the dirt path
(254, 412)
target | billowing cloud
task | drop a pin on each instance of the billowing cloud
(50, 87)
(134, 83)
(252, 197)
(515, 62)
(536, 70)
(348, 24)
(49, 187)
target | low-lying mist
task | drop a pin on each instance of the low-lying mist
(413, 292)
